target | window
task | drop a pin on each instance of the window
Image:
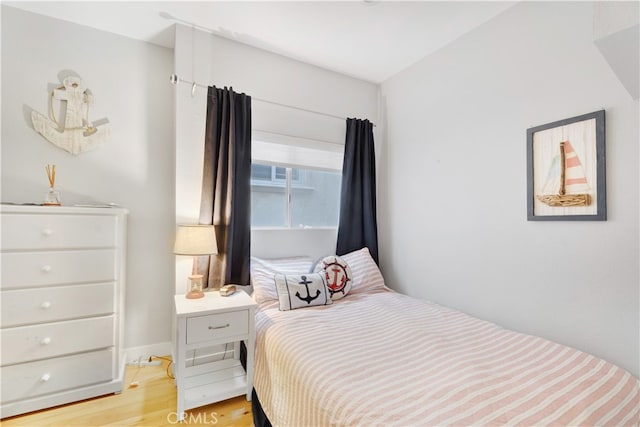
(295, 181)
(294, 197)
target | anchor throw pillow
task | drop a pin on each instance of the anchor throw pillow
(338, 275)
(301, 290)
(262, 271)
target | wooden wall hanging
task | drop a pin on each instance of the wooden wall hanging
(75, 134)
(566, 170)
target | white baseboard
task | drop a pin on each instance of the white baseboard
(158, 349)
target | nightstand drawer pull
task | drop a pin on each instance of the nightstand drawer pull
(219, 327)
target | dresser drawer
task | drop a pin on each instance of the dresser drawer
(217, 326)
(47, 376)
(32, 269)
(20, 232)
(27, 343)
(30, 306)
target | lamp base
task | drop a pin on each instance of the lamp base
(195, 290)
(194, 295)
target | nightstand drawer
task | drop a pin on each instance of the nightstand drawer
(27, 343)
(57, 231)
(217, 326)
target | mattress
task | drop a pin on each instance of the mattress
(382, 358)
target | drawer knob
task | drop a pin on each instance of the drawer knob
(46, 268)
(45, 305)
(45, 378)
(47, 232)
(45, 341)
(219, 327)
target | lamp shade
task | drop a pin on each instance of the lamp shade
(192, 239)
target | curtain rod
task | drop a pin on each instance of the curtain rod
(175, 80)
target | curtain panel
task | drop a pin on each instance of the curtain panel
(226, 186)
(358, 224)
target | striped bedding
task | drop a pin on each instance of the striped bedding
(382, 358)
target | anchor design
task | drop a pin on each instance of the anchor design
(308, 298)
(76, 134)
(340, 277)
(337, 284)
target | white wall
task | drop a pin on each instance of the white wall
(267, 76)
(453, 225)
(134, 169)
(616, 32)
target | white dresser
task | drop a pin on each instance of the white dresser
(62, 296)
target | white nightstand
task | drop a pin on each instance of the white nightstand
(204, 323)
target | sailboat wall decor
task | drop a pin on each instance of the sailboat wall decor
(566, 169)
(566, 176)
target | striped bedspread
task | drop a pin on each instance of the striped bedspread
(389, 360)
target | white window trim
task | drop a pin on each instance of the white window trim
(288, 197)
(278, 150)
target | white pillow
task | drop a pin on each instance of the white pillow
(301, 290)
(337, 274)
(366, 274)
(263, 270)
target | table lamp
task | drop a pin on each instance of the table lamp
(195, 240)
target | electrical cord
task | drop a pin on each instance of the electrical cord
(226, 348)
(193, 360)
(169, 365)
(169, 370)
(133, 383)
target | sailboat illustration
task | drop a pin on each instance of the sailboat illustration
(566, 183)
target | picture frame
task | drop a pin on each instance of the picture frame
(566, 170)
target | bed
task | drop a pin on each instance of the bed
(377, 357)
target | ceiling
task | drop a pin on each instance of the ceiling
(371, 40)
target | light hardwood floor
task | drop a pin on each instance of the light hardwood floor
(151, 403)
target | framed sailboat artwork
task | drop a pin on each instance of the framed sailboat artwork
(566, 170)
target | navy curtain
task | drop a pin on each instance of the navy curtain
(226, 186)
(358, 220)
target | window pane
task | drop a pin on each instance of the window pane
(314, 201)
(281, 173)
(315, 198)
(268, 206)
(260, 172)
